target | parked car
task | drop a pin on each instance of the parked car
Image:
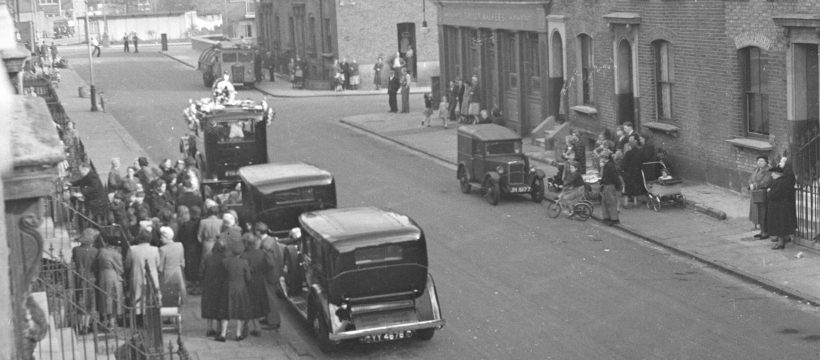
(491, 157)
(361, 273)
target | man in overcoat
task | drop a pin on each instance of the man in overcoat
(780, 221)
(393, 86)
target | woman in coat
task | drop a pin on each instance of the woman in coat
(84, 257)
(760, 181)
(377, 72)
(214, 290)
(238, 277)
(631, 166)
(780, 219)
(160, 199)
(171, 267)
(260, 266)
(142, 262)
(188, 229)
(110, 299)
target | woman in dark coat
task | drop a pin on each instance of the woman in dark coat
(188, 230)
(780, 221)
(238, 277)
(160, 199)
(259, 268)
(631, 166)
(110, 270)
(214, 290)
(84, 258)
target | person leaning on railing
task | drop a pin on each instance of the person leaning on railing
(90, 191)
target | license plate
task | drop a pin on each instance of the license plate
(520, 189)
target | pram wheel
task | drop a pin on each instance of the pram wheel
(582, 210)
(653, 202)
(553, 209)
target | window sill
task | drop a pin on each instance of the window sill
(668, 129)
(752, 144)
(327, 55)
(589, 110)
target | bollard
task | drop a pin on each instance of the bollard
(164, 41)
(83, 92)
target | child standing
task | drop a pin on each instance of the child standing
(443, 111)
(428, 109)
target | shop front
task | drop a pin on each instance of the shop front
(504, 46)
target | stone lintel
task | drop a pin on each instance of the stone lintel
(623, 18)
(798, 20)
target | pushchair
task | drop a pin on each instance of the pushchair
(662, 189)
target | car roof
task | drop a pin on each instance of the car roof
(273, 177)
(488, 132)
(352, 228)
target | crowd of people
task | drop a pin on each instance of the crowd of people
(772, 204)
(182, 242)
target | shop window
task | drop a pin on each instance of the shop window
(292, 33)
(663, 80)
(805, 94)
(755, 90)
(585, 69)
(509, 60)
(531, 60)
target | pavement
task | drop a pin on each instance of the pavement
(695, 231)
(281, 87)
(713, 228)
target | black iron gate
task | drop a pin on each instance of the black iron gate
(806, 165)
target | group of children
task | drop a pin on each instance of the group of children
(443, 111)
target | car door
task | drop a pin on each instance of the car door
(478, 168)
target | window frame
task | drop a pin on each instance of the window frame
(664, 80)
(754, 86)
(586, 70)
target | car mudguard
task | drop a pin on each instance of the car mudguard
(540, 174)
(494, 176)
(462, 166)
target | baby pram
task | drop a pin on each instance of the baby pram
(662, 189)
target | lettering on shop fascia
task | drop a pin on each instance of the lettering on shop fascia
(520, 19)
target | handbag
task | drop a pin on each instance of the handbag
(759, 196)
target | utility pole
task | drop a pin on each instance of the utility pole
(93, 90)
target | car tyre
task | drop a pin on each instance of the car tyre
(321, 331)
(463, 181)
(492, 191)
(293, 274)
(537, 191)
(425, 334)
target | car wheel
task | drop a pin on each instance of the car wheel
(492, 191)
(425, 334)
(293, 275)
(463, 181)
(553, 209)
(320, 330)
(582, 211)
(537, 191)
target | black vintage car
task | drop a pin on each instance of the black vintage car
(491, 157)
(361, 273)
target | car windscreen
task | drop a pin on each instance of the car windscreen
(233, 131)
(245, 57)
(310, 194)
(228, 193)
(228, 57)
(503, 147)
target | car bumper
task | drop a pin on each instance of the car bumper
(355, 334)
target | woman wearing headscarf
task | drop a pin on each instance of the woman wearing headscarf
(110, 272)
(84, 257)
(780, 221)
(238, 277)
(171, 267)
(213, 307)
(260, 266)
(141, 262)
(759, 183)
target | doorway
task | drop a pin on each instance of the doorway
(556, 78)
(406, 40)
(624, 90)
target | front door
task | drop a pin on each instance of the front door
(625, 100)
(510, 80)
(406, 36)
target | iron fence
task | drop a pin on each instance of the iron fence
(806, 165)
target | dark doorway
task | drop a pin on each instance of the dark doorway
(406, 40)
(556, 78)
(625, 89)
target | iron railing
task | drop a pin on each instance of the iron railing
(806, 165)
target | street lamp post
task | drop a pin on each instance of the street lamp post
(92, 89)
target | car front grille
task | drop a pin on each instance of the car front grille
(516, 173)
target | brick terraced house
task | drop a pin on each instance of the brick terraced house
(319, 31)
(718, 82)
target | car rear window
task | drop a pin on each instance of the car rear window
(376, 255)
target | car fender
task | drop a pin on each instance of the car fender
(494, 176)
(463, 166)
(317, 298)
(427, 305)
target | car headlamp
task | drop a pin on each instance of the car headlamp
(500, 169)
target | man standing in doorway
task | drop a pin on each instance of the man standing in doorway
(393, 86)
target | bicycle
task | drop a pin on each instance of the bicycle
(581, 210)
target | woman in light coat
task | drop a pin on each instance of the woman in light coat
(760, 180)
(142, 263)
(172, 265)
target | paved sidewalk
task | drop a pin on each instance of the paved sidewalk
(726, 244)
(105, 138)
(281, 87)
